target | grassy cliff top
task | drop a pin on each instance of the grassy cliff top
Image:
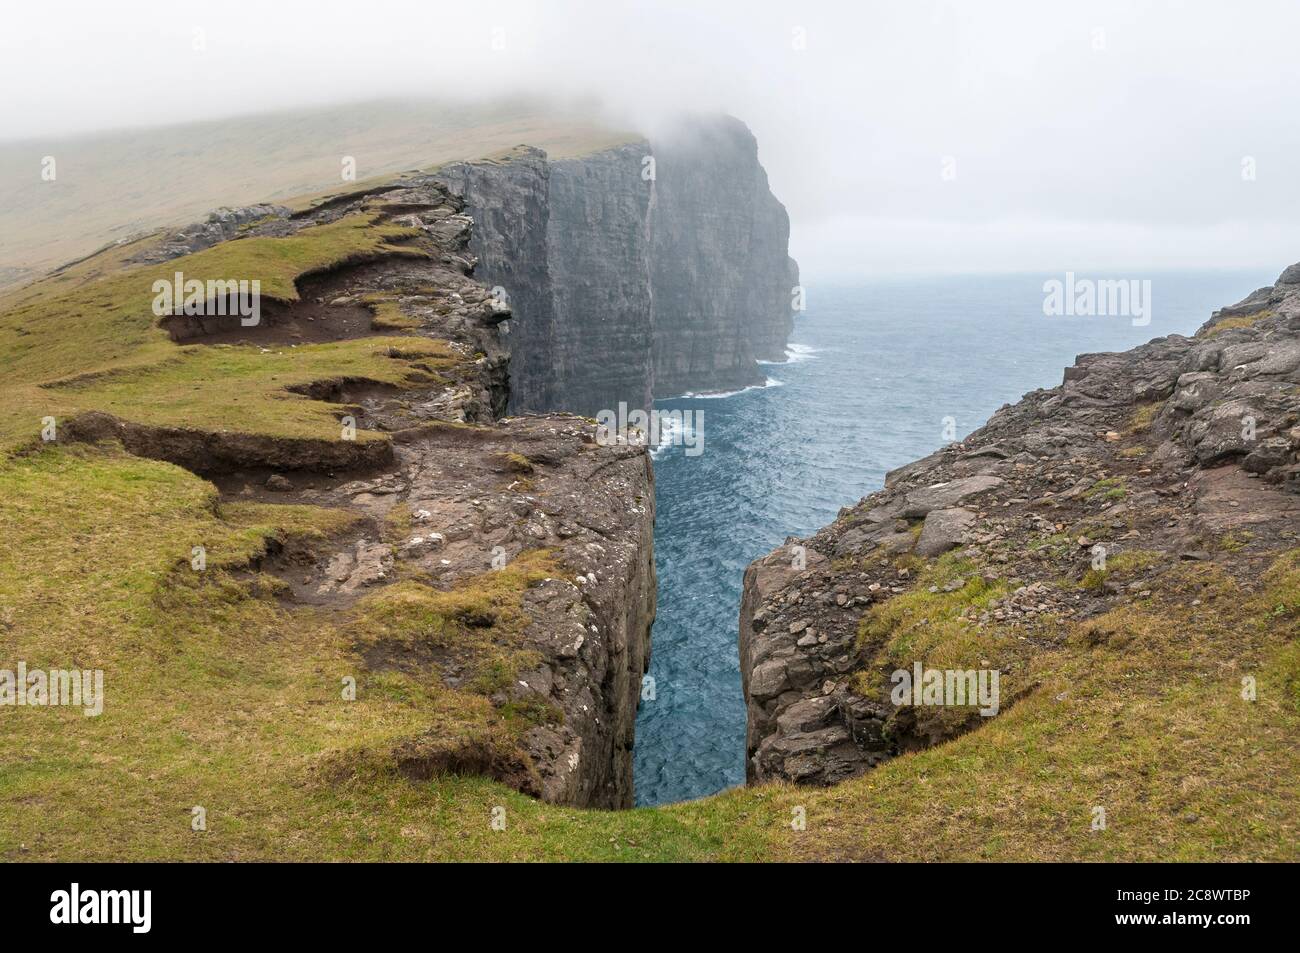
(89, 340)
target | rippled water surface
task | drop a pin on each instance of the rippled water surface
(875, 368)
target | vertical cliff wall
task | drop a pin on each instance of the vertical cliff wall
(509, 201)
(720, 271)
(631, 280)
(599, 254)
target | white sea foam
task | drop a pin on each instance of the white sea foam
(794, 354)
(718, 395)
(669, 428)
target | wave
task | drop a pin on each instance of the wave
(794, 354)
(719, 394)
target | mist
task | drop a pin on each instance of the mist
(917, 137)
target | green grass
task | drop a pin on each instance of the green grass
(284, 522)
(1235, 542)
(96, 345)
(388, 315)
(941, 630)
(480, 620)
(1111, 488)
(1121, 567)
(247, 389)
(1236, 321)
(1140, 713)
(1144, 416)
(50, 333)
(518, 463)
(918, 620)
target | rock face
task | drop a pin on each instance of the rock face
(447, 491)
(646, 270)
(601, 293)
(1183, 449)
(721, 278)
(943, 530)
(221, 225)
(510, 201)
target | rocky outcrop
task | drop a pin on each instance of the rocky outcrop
(221, 225)
(540, 686)
(1059, 509)
(645, 270)
(640, 271)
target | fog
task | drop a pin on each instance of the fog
(918, 136)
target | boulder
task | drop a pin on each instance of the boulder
(943, 530)
(919, 503)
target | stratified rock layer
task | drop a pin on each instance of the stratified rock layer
(1183, 449)
(646, 270)
(510, 202)
(601, 294)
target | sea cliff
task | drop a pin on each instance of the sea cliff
(646, 270)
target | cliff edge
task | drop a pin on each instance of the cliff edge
(343, 492)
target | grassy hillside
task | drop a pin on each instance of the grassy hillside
(111, 186)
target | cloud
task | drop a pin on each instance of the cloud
(1117, 117)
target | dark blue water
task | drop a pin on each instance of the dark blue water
(876, 369)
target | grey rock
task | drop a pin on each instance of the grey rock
(221, 225)
(943, 530)
(769, 679)
(940, 495)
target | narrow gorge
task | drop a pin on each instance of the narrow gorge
(393, 449)
(647, 270)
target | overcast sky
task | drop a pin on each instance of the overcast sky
(927, 135)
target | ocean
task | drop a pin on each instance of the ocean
(876, 371)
